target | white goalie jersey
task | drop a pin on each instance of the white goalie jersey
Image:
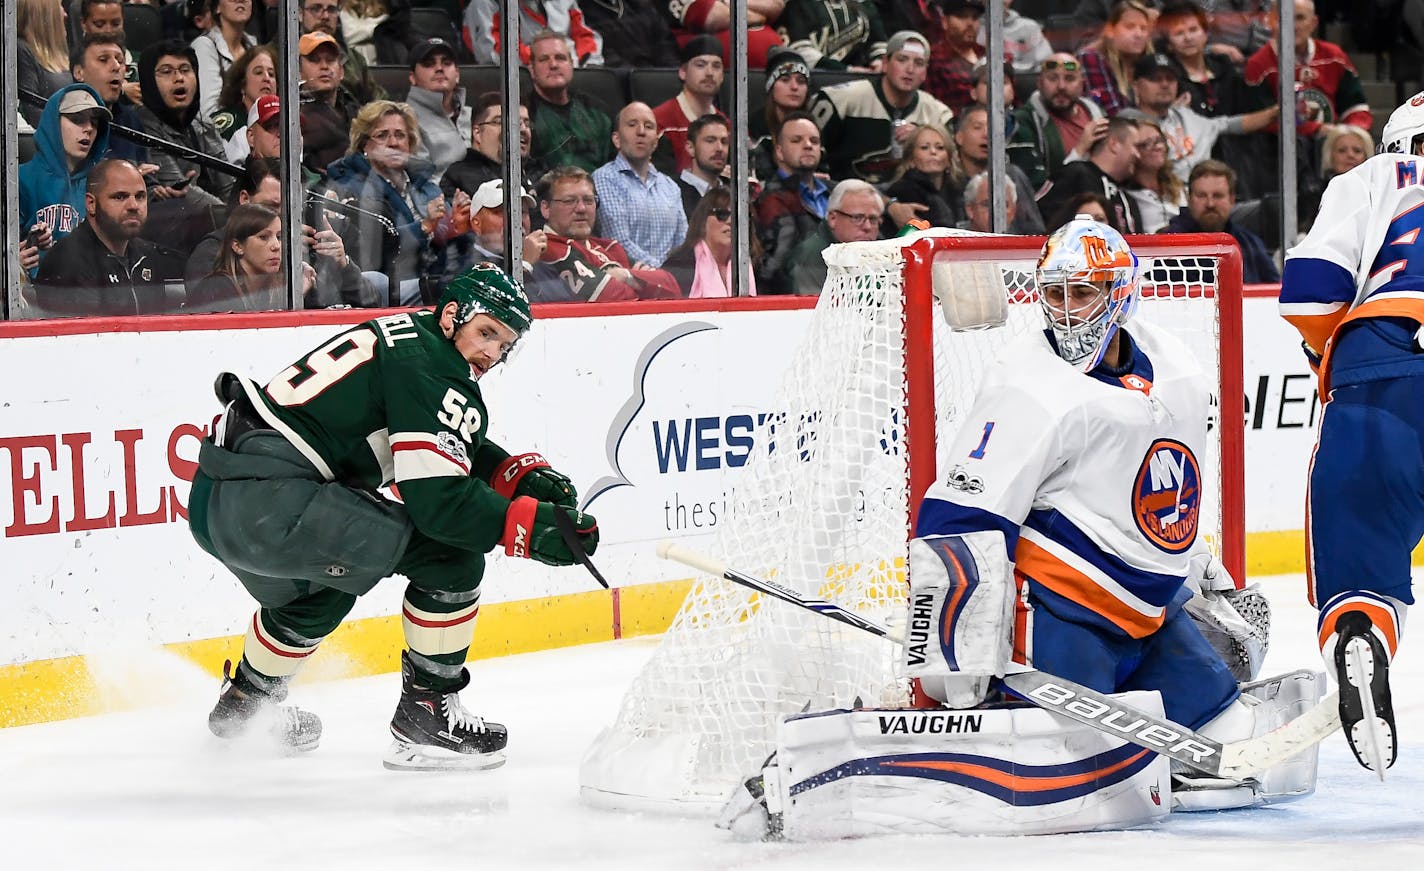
(1095, 481)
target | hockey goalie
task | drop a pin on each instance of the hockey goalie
(1062, 538)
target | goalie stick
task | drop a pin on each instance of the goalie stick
(1234, 760)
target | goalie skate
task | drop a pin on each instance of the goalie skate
(434, 732)
(1366, 710)
(245, 709)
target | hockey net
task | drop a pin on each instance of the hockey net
(825, 504)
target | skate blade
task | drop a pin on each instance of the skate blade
(403, 756)
(1370, 736)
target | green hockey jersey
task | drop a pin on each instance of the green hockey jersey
(391, 401)
(857, 126)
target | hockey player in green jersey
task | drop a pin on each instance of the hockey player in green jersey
(286, 497)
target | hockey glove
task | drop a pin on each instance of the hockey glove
(529, 532)
(531, 475)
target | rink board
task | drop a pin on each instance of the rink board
(649, 408)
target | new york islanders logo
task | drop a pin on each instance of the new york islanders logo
(1166, 497)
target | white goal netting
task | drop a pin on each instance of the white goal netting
(822, 506)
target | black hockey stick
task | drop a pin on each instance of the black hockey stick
(1236, 760)
(565, 525)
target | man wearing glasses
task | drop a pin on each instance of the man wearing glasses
(168, 73)
(325, 16)
(484, 160)
(595, 269)
(853, 215)
(1057, 124)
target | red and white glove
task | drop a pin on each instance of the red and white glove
(531, 475)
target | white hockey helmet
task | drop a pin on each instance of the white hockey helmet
(1084, 252)
(1405, 123)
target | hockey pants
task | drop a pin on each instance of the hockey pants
(306, 548)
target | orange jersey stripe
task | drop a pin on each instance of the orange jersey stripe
(1048, 570)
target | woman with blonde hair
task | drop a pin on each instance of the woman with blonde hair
(42, 62)
(1108, 60)
(1154, 184)
(925, 176)
(247, 275)
(702, 264)
(380, 175)
(1342, 148)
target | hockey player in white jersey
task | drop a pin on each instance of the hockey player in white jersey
(1354, 288)
(1061, 536)
(1084, 496)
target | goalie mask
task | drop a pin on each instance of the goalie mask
(1087, 285)
(1404, 125)
(486, 289)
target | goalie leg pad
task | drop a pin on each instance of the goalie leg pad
(1005, 771)
(1263, 706)
(960, 630)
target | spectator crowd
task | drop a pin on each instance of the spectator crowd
(868, 116)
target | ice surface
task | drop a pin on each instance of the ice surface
(152, 790)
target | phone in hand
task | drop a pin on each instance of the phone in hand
(182, 183)
(32, 238)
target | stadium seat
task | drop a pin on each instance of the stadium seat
(479, 78)
(394, 80)
(475, 78)
(653, 86)
(26, 146)
(143, 26)
(604, 84)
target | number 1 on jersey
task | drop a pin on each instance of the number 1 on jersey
(978, 453)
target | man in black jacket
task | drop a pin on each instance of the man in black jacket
(484, 160)
(103, 268)
(1110, 162)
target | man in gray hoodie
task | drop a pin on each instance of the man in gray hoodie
(439, 104)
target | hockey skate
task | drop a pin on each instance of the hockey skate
(244, 705)
(434, 732)
(1366, 710)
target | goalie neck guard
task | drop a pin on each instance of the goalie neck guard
(1085, 252)
(486, 289)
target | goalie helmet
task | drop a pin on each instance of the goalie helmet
(1084, 252)
(486, 289)
(1405, 123)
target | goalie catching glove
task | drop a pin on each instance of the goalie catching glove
(531, 531)
(531, 475)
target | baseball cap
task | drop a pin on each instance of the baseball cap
(490, 195)
(264, 109)
(782, 62)
(1151, 63)
(82, 100)
(907, 39)
(959, 7)
(310, 42)
(700, 45)
(427, 47)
